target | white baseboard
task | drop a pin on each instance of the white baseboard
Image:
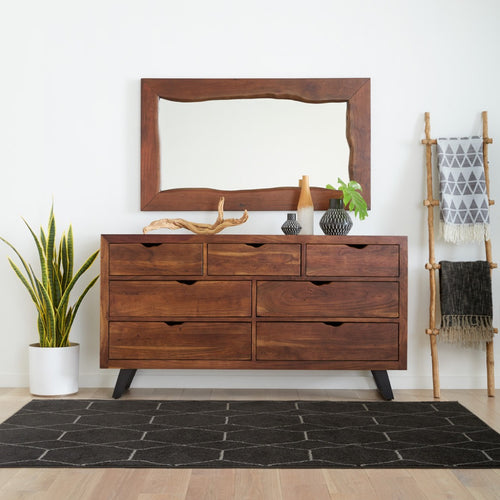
(260, 379)
(245, 379)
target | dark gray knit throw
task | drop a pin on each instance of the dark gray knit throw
(466, 303)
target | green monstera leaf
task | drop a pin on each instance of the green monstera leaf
(352, 197)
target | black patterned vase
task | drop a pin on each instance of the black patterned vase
(336, 221)
(291, 225)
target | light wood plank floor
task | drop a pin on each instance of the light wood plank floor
(251, 484)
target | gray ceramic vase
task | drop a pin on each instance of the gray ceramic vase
(291, 225)
(336, 221)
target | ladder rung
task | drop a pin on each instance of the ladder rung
(434, 265)
(433, 203)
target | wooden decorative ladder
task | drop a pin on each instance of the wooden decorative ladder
(432, 265)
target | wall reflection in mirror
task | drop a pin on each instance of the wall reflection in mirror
(251, 143)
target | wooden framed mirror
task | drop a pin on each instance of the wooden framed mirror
(354, 92)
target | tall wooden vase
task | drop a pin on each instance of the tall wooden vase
(305, 208)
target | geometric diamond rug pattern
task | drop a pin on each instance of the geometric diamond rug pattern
(246, 434)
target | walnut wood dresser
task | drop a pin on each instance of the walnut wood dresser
(253, 302)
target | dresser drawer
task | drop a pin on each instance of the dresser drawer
(327, 341)
(352, 260)
(177, 341)
(248, 259)
(358, 299)
(180, 298)
(155, 259)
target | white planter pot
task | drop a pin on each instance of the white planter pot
(54, 370)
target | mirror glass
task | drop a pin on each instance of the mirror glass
(251, 143)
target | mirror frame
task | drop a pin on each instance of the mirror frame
(354, 91)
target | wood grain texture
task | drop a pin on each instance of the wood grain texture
(254, 306)
(254, 364)
(176, 299)
(327, 341)
(104, 304)
(357, 299)
(155, 259)
(352, 260)
(180, 340)
(354, 91)
(243, 259)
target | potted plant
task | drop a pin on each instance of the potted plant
(54, 359)
(336, 221)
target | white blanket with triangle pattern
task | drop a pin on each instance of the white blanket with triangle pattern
(464, 214)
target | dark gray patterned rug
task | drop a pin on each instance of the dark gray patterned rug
(249, 434)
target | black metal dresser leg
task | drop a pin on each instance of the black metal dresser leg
(123, 382)
(383, 384)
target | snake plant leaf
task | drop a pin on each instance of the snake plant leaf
(41, 330)
(58, 277)
(85, 266)
(23, 262)
(79, 301)
(49, 255)
(58, 289)
(24, 281)
(63, 255)
(41, 255)
(73, 310)
(43, 238)
(49, 314)
(39, 293)
(70, 256)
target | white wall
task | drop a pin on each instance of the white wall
(69, 129)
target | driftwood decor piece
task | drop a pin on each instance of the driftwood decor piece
(198, 227)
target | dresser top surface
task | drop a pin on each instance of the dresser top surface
(253, 238)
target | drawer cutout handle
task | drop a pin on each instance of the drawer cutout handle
(254, 245)
(336, 324)
(149, 245)
(187, 282)
(320, 283)
(174, 323)
(359, 247)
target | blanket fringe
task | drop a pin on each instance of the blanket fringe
(468, 331)
(464, 233)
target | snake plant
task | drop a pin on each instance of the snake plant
(51, 290)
